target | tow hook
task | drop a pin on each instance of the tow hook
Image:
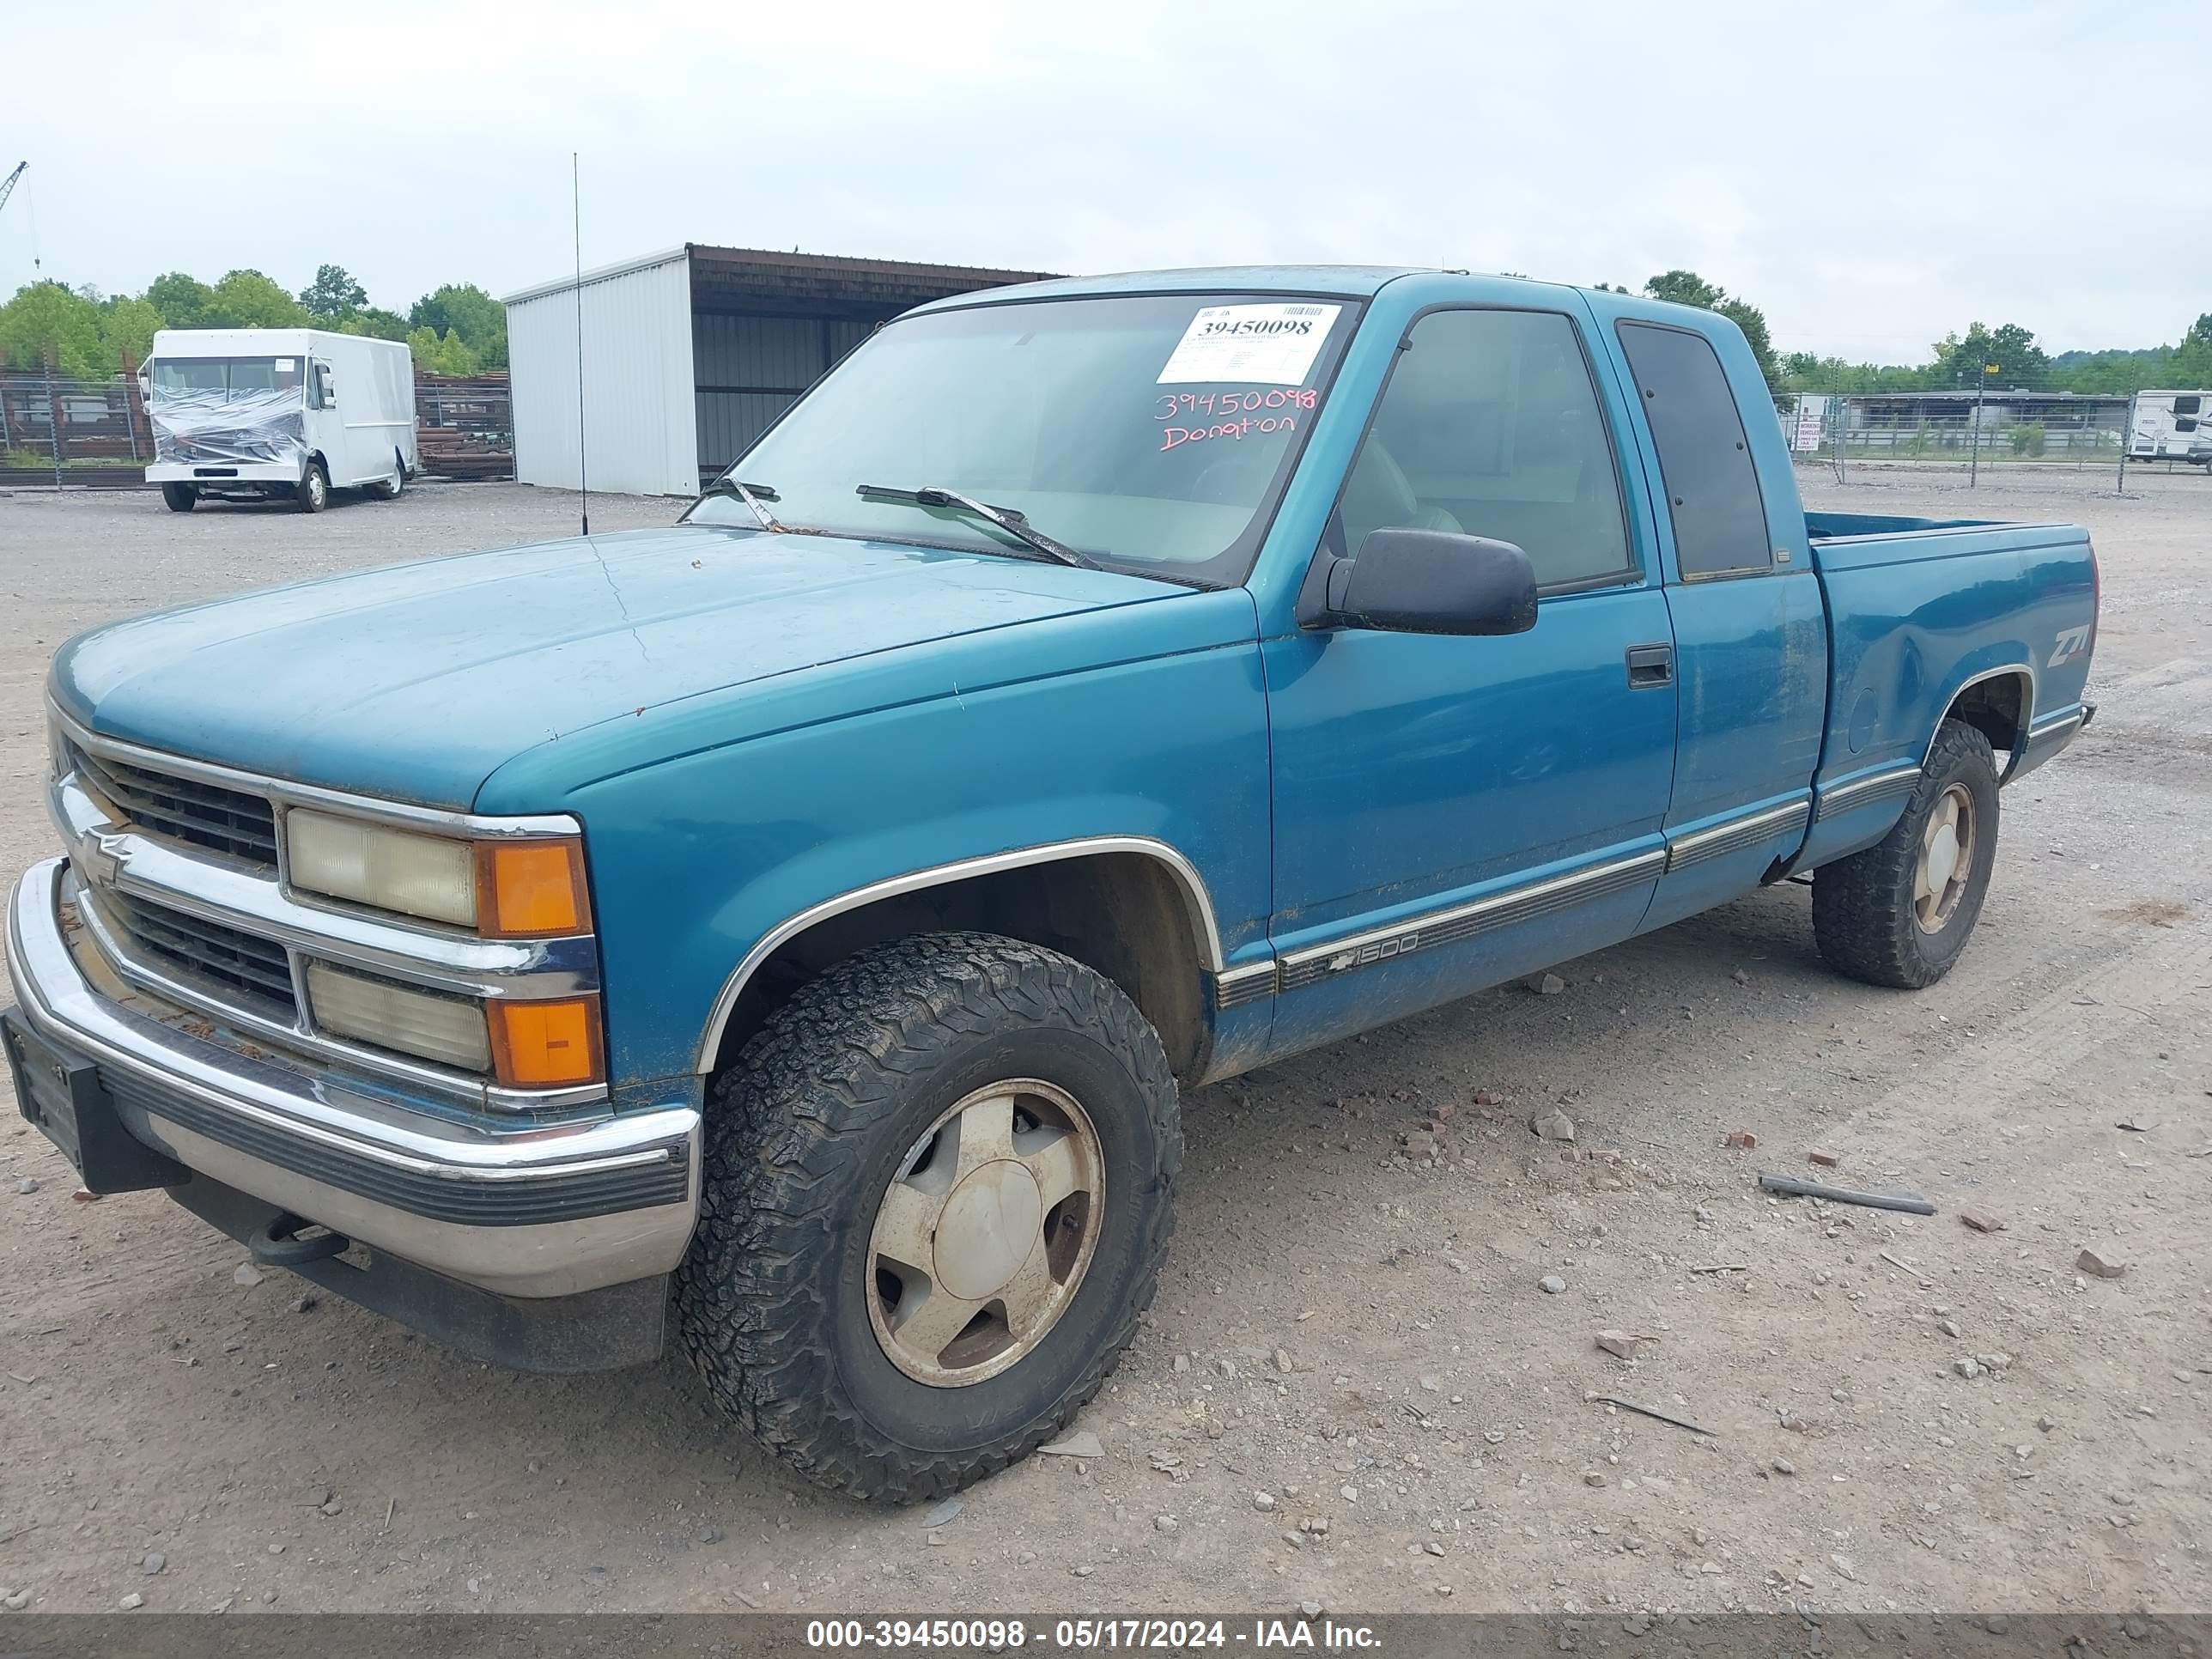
(279, 1245)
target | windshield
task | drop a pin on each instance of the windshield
(225, 377)
(1150, 433)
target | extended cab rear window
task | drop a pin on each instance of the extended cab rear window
(1704, 458)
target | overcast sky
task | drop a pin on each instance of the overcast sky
(1872, 174)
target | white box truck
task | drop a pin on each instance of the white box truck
(260, 414)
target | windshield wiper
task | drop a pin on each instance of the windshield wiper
(752, 496)
(1014, 523)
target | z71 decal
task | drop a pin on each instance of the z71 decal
(2071, 644)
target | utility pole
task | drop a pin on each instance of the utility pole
(1974, 454)
(2127, 438)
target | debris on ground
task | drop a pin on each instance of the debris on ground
(1982, 1221)
(247, 1274)
(944, 1514)
(1740, 1140)
(1648, 1411)
(1826, 1160)
(1552, 1283)
(1554, 1124)
(1082, 1443)
(1623, 1343)
(1912, 1204)
(2097, 1265)
(1545, 985)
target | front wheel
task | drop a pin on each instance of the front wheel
(1899, 912)
(181, 497)
(937, 1191)
(313, 492)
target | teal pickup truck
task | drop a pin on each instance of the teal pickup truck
(797, 927)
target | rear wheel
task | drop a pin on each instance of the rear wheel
(388, 488)
(181, 497)
(313, 493)
(936, 1196)
(1899, 912)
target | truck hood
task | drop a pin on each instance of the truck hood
(417, 681)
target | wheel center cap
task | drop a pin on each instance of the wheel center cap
(990, 1226)
(1943, 859)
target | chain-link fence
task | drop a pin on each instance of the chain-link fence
(2093, 435)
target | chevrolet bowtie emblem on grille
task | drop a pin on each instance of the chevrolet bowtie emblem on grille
(100, 863)
(1342, 960)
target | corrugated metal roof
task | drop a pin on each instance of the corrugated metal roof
(597, 274)
(745, 278)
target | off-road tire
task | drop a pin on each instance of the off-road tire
(181, 497)
(313, 493)
(1863, 905)
(807, 1127)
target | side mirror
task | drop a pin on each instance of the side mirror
(1432, 582)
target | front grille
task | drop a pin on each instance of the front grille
(204, 950)
(206, 814)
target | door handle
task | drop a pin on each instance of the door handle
(1651, 665)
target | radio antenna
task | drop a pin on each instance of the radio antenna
(583, 472)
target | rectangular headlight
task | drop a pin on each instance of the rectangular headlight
(427, 876)
(431, 1025)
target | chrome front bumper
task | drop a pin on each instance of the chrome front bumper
(533, 1211)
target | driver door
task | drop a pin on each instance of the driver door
(1450, 811)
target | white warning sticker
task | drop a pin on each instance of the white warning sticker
(1262, 345)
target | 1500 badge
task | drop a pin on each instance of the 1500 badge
(1367, 954)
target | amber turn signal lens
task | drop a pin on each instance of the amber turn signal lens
(544, 1045)
(530, 889)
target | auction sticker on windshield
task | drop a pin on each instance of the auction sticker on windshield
(1263, 344)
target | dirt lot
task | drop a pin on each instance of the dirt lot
(1360, 1337)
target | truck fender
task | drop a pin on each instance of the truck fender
(1204, 929)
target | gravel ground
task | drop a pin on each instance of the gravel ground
(1354, 1388)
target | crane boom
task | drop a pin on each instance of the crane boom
(8, 184)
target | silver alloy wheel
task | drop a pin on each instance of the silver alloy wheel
(1946, 859)
(983, 1237)
(319, 487)
(398, 481)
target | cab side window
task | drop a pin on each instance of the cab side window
(1490, 426)
(1705, 459)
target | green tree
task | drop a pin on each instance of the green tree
(442, 355)
(46, 317)
(465, 309)
(2199, 335)
(377, 322)
(1685, 287)
(182, 301)
(126, 330)
(333, 295)
(2008, 351)
(246, 299)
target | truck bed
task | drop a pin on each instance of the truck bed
(1918, 610)
(1840, 526)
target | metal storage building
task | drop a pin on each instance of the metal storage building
(690, 354)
